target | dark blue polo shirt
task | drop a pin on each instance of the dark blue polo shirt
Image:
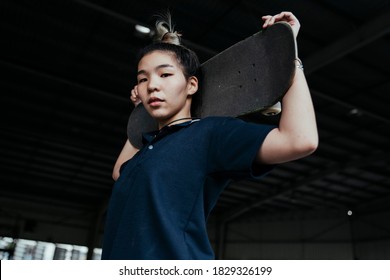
(161, 201)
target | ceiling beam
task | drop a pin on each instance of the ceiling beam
(134, 22)
(290, 187)
(357, 39)
(350, 106)
(60, 80)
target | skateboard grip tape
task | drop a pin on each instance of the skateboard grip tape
(139, 115)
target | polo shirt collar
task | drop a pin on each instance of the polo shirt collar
(166, 130)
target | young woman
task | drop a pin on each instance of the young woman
(164, 192)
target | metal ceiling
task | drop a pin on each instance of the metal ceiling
(67, 70)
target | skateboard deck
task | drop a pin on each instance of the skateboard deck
(244, 81)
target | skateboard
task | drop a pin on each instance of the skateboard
(246, 80)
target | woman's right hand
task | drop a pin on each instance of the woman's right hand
(134, 96)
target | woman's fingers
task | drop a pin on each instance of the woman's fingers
(266, 20)
(283, 16)
(287, 17)
(134, 96)
(269, 20)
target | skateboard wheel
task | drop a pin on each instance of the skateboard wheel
(272, 110)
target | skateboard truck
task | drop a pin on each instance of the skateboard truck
(272, 110)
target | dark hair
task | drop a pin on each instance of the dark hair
(186, 58)
(166, 39)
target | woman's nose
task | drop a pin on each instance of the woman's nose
(153, 85)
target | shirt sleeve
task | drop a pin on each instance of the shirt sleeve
(234, 146)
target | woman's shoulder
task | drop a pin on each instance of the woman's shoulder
(217, 120)
(216, 124)
(214, 121)
(226, 123)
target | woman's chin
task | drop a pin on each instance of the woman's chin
(158, 115)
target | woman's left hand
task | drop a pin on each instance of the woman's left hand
(283, 16)
(134, 97)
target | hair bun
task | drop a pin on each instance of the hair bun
(171, 37)
(165, 31)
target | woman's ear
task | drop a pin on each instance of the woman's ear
(192, 85)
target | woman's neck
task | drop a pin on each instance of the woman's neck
(183, 115)
(174, 121)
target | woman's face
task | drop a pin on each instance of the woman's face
(163, 88)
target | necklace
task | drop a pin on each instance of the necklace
(189, 118)
(164, 128)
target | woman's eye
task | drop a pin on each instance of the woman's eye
(141, 80)
(166, 75)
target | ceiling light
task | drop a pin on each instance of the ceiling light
(142, 29)
(355, 112)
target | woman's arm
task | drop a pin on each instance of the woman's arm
(128, 151)
(297, 135)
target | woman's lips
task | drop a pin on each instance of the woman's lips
(154, 101)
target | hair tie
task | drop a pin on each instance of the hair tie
(171, 38)
(163, 36)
